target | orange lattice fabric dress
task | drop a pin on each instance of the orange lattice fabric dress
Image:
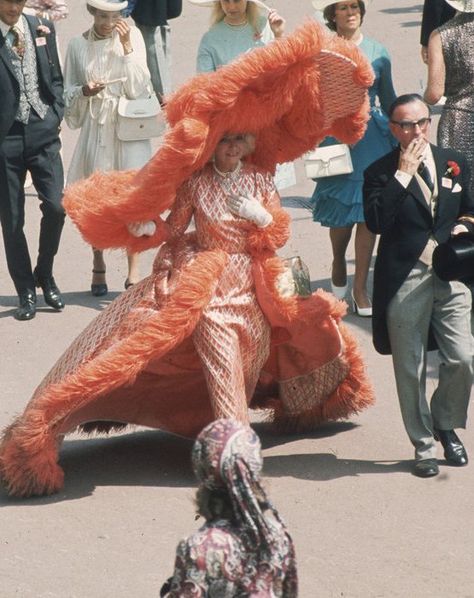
(232, 337)
(209, 333)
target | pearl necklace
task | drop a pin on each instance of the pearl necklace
(236, 24)
(226, 179)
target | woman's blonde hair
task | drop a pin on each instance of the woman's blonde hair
(252, 11)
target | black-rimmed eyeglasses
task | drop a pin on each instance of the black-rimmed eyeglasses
(407, 126)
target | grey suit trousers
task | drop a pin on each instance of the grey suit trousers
(422, 301)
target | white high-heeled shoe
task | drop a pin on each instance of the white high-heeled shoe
(363, 312)
(339, 292)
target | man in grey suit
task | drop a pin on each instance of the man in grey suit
(416, 197)
(32, 110)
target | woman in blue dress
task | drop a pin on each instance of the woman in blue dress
(237, 27)
(337, 200)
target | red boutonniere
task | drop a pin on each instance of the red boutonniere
(42, 31)
(452, 169)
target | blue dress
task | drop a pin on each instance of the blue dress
(337, 200)
(223, 43)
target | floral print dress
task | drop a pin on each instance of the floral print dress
(219, 561)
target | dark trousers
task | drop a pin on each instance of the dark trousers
(34, 147)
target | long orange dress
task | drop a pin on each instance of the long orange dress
(188, 343)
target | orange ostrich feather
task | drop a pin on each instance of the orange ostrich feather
(290, 94)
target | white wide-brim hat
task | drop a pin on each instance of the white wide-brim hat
(108, 5)
(462, 5)
(213, 2)
(321, 4)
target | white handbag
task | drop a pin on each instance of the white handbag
(139, 119)
(330, 160)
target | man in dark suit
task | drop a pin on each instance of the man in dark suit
(416, 197)
(32, 110)
(151, 17)
(435, 14)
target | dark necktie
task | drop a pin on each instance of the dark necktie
(424, 172)
(18, 43)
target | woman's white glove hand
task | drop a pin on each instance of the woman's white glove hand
(250, 209)
(142, 229)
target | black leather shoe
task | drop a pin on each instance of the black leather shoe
(454, 451)
(51, 293)
(426, 468)
(27, 307)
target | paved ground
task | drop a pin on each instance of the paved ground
(363, 526)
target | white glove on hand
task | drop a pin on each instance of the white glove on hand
(458, 229)
(142, 229)
(250, 209)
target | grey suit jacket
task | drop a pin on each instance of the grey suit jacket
(49, 76)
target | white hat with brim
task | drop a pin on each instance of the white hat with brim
(321, 4)
(214, 2)
(462, 5)
(108, 5)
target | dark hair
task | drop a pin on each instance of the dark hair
(329, 14)
(214, 504)
(406, 98)
(217, 503)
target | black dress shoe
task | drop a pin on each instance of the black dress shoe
(426, 468)
(51, 293)
(454, 451)
(27, 307)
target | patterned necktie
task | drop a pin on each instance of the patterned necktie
(424, 172)
(18, 44)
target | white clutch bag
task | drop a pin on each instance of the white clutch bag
(331, 160)
(139, 119)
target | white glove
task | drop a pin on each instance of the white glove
(250, 209)
(142, 229)
(458, 229)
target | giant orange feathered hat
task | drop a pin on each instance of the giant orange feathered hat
(290, 94)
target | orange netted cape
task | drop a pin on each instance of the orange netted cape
(136, 363)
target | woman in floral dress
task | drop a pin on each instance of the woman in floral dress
(244, 548)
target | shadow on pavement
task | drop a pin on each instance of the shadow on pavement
(327, 466)
(83, 299)
(418, 8)
(270, 437)
(158, 459)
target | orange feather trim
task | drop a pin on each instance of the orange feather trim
(321, 82)
(29, 448)
(263, 240)
(351, 396)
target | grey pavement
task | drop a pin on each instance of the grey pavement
(362, 524)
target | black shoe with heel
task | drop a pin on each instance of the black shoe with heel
(100, 289)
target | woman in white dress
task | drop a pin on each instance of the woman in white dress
(104, 63)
